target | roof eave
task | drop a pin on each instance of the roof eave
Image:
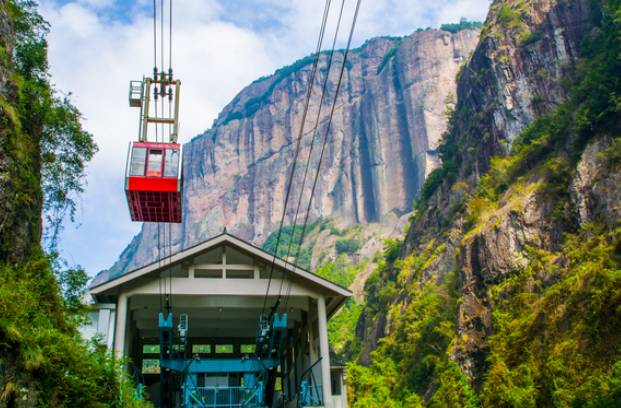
(216, 240)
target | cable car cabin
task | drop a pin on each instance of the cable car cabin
(153, 181)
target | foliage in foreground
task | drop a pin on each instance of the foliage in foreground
(558, 344)
(44, 358)
(555, 345)
(415, 353)
(60, 146)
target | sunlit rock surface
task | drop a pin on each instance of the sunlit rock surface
(388, 120)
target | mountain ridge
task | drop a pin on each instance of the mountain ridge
(251, 140)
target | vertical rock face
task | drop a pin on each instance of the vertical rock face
(508, 83)
(387, 123)
(20, 223)
(7, 94)
(516, 73)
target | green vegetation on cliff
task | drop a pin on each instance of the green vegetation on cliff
(290, 245)
(464, 24)
(45, 362)
(43, 150)
(558, 344)
(555, 326)
(341, 266)
(414, 355)
(342, 326)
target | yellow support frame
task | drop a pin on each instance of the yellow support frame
(163, 82)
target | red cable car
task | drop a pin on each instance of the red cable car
(153, 181)
(153, 175)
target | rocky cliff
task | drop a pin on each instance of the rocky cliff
(505, 286)
(43, 359)
(391, 113)
(20, 214)
(510, 81)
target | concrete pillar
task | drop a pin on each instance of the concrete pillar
(312, 334)
(324, 351)
(111, 326)
(130, 327)
(102, 323)
(312, 344)
(344, 388)
(121, 325)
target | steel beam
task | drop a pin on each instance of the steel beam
(231, 365)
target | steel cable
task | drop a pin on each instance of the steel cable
(297, 150)
(154, 36)
(308, 161)
(325, 140)
(170, 38)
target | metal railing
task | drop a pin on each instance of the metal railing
(224, 397)
(311, 395)
(310, 389)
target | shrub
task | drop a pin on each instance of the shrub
(431, 184)
(463, 24)
(290, 244)
(530, 38)
(347, 246)
(388, 56)
(509, 16)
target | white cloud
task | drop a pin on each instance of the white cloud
(96, 47)
(98, 4)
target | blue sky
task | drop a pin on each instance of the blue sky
(220, 46)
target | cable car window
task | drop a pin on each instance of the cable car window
(247, 348)
(224, 348)
(201, 348)
(154, 165)
(138, 160)
(150, 366)
(150, 349)
(171, 163)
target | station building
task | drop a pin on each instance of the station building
(221, 286)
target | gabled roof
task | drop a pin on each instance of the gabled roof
(222, 239)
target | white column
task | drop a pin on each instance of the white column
(312, 344)
(344, 388)
(102, 323)
(224, 262)
(110, 335)
(324, 351)
(121, 326)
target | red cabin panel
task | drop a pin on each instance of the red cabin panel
(160, 184)
(153, 183)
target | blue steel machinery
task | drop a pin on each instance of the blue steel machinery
(259, 372)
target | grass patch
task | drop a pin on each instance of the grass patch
(392, 51)
(531, 37)
(464, 24)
